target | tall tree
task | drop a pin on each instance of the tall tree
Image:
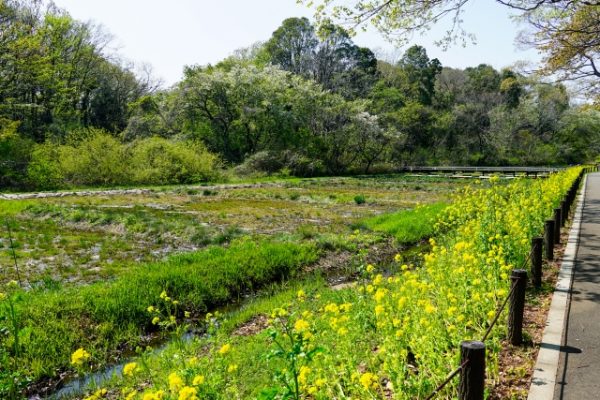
(566, 31)
(420, 73)
(329, 56)
(569, 36)
(292, 46)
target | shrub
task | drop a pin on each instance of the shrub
(14, 154)
(360, 199)
(100, 159)
(259, 163)
(158, 161)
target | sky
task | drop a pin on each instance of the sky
(170, 35)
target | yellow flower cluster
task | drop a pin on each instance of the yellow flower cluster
(98, 394)
(400, 334)
(79, 357)
(129, 369)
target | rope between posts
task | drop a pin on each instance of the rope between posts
(503, 306)
(448, 379)
(487, 333)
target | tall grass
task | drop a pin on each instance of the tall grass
(110, 315)
(407, 226)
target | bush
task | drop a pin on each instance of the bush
(360, 199)
(45, 172)
(262, 162)
(14, 154)
(159, 161)
(100, 159)
(284, 163)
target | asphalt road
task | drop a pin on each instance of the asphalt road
(578, 376)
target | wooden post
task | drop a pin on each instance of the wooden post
(564, 211)
(536, 260)
(549, 239)
(472, 375)
(517, 306)
(557, 224)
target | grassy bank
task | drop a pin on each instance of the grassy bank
(102, 317)
(393, 337)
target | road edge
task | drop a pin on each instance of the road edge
(546, 366)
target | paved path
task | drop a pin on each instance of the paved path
(578, 376)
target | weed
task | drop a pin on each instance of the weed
(227, 235)
(360, 199)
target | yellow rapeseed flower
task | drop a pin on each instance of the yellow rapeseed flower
(129, 368)
(231, 368)
(151, 309)
(175, 382)
(430, 309)
(332, 308)
(131, 395)
(98, 394)
(198, 380)
(368, 380)
(380, 295)
(301, 326)
(188, 393)
(303, 374)
(155, 320)
(158, 395)
(378, 280)
(226, 348)
(79, 356)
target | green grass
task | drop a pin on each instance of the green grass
(255, 368)
(104, 317)
(93, 264)
(407, 226)
(120, 230)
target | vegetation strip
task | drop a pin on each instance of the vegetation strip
(102, 316)
(395, 336)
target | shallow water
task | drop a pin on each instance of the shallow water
(336, 281)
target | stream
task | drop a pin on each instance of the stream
(336, 279)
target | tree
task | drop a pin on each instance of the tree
(565, 30)
(292, 46)
(420, 73)
(511, 88)
(569, 36)
(54, 76)
(245, 109)
(327, 56)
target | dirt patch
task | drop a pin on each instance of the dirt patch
(257, 324)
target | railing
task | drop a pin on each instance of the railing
(482, 170)
(472, 361)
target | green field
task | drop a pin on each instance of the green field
(91, 264)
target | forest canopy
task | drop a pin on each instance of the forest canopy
(307, 101)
